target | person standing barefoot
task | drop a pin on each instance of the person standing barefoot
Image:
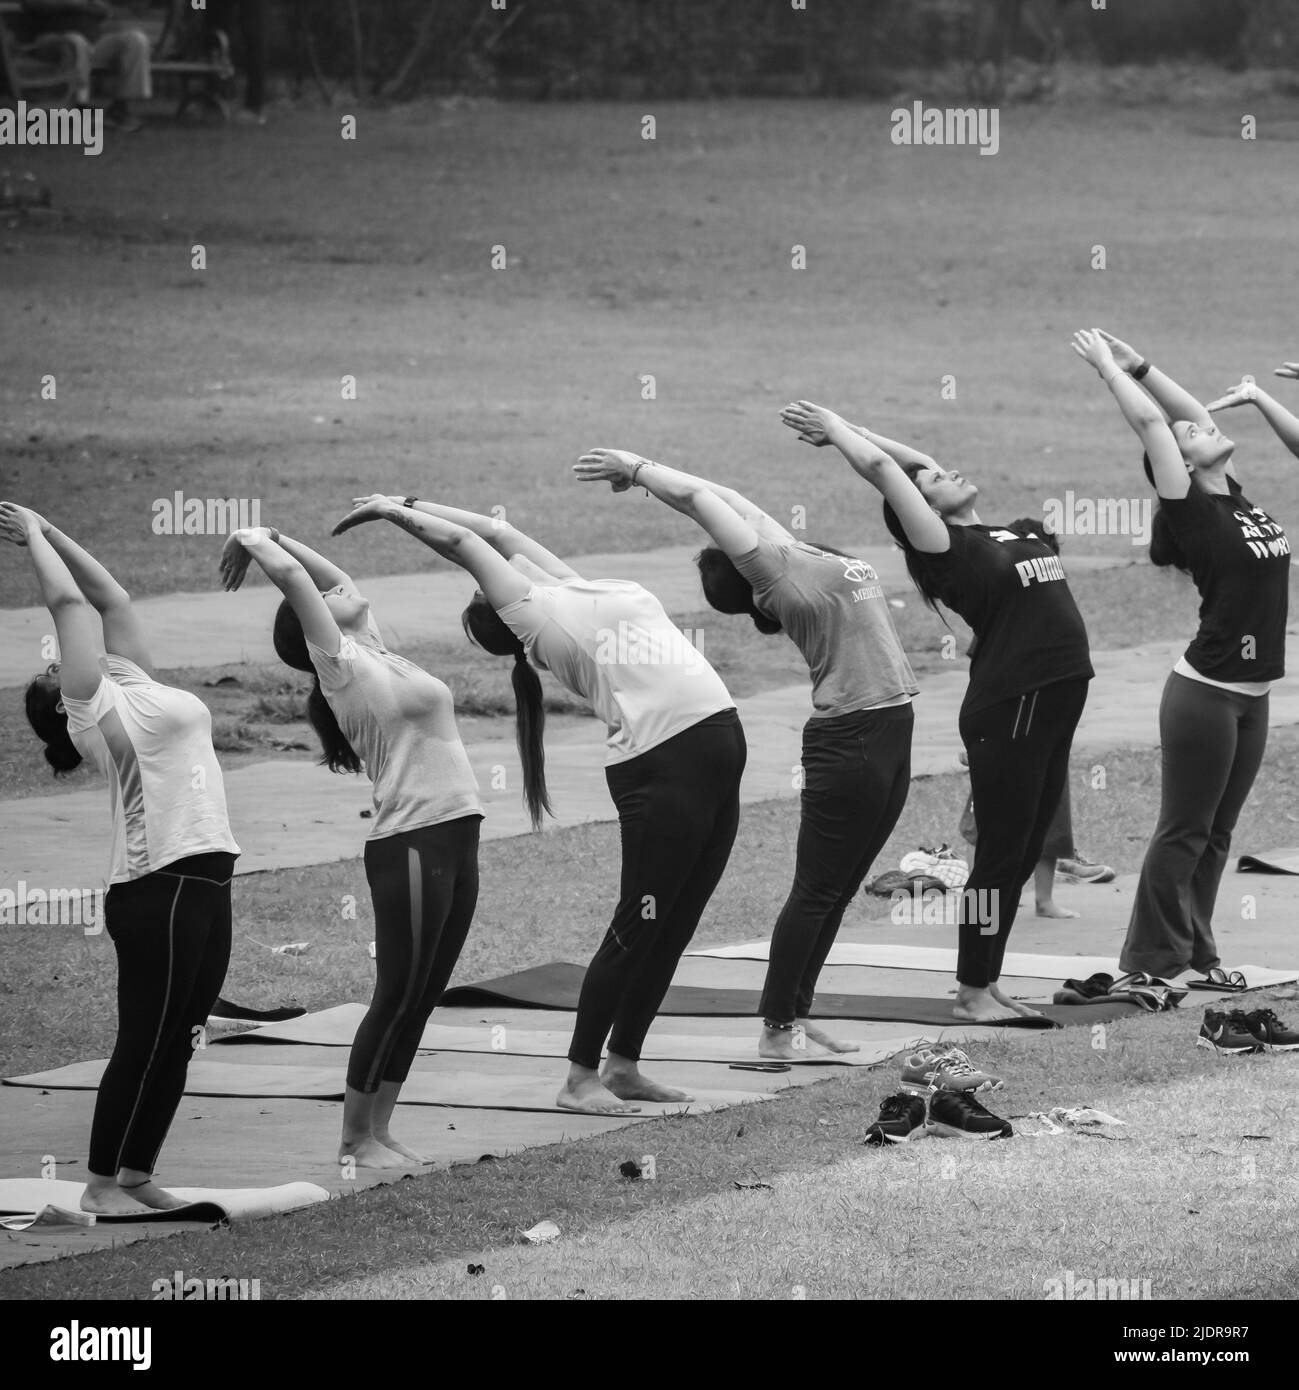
(167, 910)
(376, 711)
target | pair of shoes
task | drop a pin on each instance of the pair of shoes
(944, 1114)
(1150, 991)
(1260, 1030)
(945, 1069)
(1082, 868)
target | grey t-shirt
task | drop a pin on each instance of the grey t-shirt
(402, 723)
(834, 610)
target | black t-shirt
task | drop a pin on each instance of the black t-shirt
(1011, 589)
(1240, 561)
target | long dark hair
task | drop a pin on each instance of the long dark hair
(291, 648)
(41, 701)
(484, 627)
(921, 575)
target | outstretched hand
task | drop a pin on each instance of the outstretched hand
(235, 558)
(375, 507)
(1090, 344)
(1244, 394)
(814, 424)
(1289, 370)
(18, 524)
(614, 466)
(1126, 357)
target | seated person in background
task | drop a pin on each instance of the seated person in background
(97, 42)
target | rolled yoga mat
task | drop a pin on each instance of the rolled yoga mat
(26, 1202)
(1270, 861)
(557, 985)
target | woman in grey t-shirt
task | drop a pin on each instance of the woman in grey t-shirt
(856, 765)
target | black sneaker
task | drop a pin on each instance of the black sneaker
(902, 1118)
(1227, 1033)
(957, 1115)
(1268, 1029)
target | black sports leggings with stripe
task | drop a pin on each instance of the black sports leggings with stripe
(424, 885)
(1019, 764)
(678, 813)
(171, 932)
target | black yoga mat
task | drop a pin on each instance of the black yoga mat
(556, 986)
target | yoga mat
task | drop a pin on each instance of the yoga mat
(337, 1027)
(1271, 861)
(27, 1202)
(474, 1091)
(556, 986)
(1016, 965)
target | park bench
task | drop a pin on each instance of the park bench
(182, 49)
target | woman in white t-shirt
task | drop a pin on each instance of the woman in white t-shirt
(167, 910)
(377, 712)
(675, 757)
(856, 759)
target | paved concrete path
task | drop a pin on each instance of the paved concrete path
(220, 629)
(291, 812)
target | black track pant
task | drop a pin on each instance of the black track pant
(678, 812)
(1019, 764)
(424, 885)
(856, 775)
(1212, 742)
(171, 932)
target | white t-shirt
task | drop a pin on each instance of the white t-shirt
(401, 722)
(611, 642)
(153, 743)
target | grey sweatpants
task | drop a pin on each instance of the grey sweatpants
(1212, 742)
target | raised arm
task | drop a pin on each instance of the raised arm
(1147, 420)
(924, 529)
(75, 623)
(729, 529)
(1284, 425)
(814, 433)
(1176, 402)
(502, 536)
(500, 582)
(290, 576)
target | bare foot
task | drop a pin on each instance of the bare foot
(819, 1035)
(152, 1196)
(112, 1201)
(588, 1095)
(1024, 1010)
(389, 1142)
(368, 1152)
(979, 1006)
(626, 1080)
(1053, 909)
(781, 1045)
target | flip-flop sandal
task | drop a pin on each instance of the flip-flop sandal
(1221, 980)
(1087, 991)
(1136, 979)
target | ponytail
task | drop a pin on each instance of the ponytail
(921, 574)
(338, 755)
(41, 701)
(485, 628)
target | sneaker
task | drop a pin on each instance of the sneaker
(1227, 1033)
(1082, 868)
(946, 1069)
(1268, 1029)
(957, 1115)
(902, 1118)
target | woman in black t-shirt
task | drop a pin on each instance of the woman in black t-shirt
(1214, 713)
(1028, 679)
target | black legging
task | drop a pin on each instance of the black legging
(424, 885)
(678, 812)
(1019, 763)
(1212, 747)
(171, 932)
(856, 775)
